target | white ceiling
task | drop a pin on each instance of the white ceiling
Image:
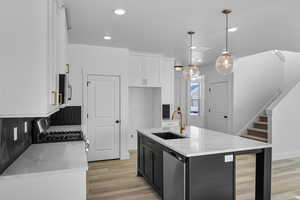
(160, 26)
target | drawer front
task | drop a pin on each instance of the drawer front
(148, 142)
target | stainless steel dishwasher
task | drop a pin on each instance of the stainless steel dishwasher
(174, 176)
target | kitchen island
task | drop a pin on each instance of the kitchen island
(199, 164)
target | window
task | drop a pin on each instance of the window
(195, 94)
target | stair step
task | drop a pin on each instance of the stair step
(263, 118)
(258, 132)
(261, 125)
(261, 139)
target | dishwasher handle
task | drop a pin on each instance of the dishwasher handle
(178, 157)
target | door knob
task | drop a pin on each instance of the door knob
(117, 121)
(225, 116)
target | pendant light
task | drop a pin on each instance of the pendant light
(191, 71)
(224, 64)
(178, 67)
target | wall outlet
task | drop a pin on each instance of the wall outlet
(228, 158)
(15, 133)
(25, 127)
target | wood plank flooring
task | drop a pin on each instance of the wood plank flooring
(117, 180)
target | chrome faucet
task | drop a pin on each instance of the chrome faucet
(179, 112)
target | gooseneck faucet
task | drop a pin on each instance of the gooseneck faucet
(179, 112)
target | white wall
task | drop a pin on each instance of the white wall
(141, 111)
(286, 126)
(256, 79)
(180, 93)
(291, 69)
(86, 60)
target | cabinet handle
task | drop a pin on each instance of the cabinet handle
(67, 68)
(70, 92)
(54, 98)
(60, 98)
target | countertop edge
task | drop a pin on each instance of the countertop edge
(162, 142)
(45, 173)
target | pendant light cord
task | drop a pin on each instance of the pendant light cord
(227, 50)
(191, 50)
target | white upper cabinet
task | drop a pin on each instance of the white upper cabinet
(144, 70)
(30, 54)
(167, 80)
(61, 40)
(135, 70)
(150, 70)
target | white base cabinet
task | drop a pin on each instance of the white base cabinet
(62, 185)
(31, 55)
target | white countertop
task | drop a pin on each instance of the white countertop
(200, 141)
(49, 158)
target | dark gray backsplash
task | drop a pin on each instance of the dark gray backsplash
(10, 150)
(70, 115)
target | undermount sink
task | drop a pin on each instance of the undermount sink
(168, 136)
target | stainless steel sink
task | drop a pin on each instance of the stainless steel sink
(168, 136)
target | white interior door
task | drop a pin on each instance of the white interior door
(103, 117)
(218, 106)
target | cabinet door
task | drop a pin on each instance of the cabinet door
(211, 173)
(61, 37)
(150, 70)
(52, 55)
(148, 161)
(134, 70)
(158, 172)
(167, 80)
(140, 155)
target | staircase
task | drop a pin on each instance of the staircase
(259, 131)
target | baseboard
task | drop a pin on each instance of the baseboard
(286, 155)
(125, 156)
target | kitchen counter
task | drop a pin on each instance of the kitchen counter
(200, 141)
(49, 158)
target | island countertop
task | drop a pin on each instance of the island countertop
(200, 141)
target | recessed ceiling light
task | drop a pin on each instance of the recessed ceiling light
(233, 29)
(107, 37)
(193, 47)
(120, 11)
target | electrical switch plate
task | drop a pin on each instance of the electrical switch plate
(25, 127)
(228, 158)
(15, 133)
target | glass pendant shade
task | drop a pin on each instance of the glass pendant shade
(224, 64)
(191, 72)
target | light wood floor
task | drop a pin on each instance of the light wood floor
(117, 180)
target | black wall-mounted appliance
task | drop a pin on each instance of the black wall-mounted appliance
(166, 111)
